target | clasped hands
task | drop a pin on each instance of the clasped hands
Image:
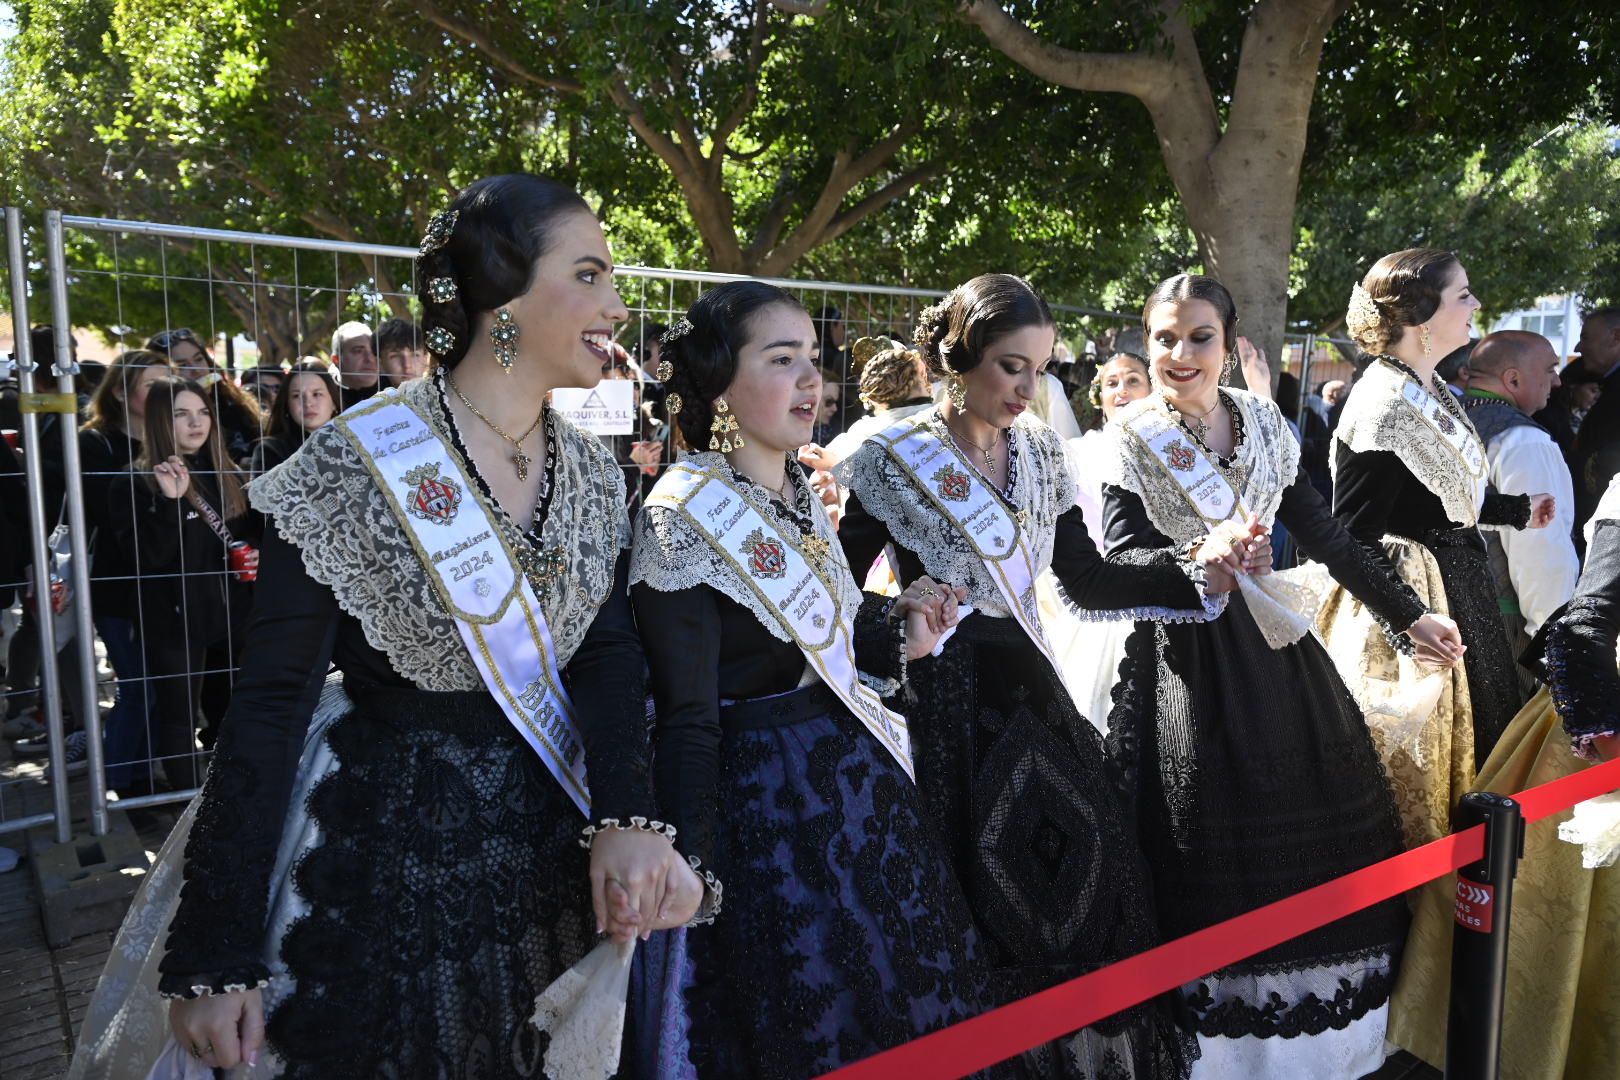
(1232, 549)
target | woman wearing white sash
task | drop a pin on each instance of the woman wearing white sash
(1251, 767)
(1562, 1020)
(842, 932)
(1409, 483)
(389, 898)
(976, 493)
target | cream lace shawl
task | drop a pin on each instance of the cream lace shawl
(1267, 463)
(1377, 418)
(325, 502)
(1043, 488)
(670, 555)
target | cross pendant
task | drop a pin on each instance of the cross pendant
(521, 460)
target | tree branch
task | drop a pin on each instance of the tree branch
(745, 104)
(498, 56)
(1141, 75)
(813, 8)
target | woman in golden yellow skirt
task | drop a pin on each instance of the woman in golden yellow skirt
(1563, 991)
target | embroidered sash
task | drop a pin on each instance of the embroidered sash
(800, 596)
(476, 575)
(1284, 604)
(994, 531)
(1457, 435)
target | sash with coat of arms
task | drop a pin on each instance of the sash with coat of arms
(996, 532)
(698, 521)
(477, 576)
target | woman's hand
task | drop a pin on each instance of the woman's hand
(640, 883)
(1222, 552)
(815, 456)
(1256, 368)
(220, 1030)
(1542, 509)
(1439, 642)
(173, 478)
(936, 602)
(1257, 548)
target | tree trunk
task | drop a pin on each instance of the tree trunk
(1238, 180)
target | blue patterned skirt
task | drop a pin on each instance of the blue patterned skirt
(843, 932)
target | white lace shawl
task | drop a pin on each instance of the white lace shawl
(1268, 462)
(325, 502)
(1043, 488)
(670, 555)
(1376, 417)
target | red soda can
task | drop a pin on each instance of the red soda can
(59, 595)
(244, 560)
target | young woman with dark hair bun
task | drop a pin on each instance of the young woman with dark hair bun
(1249, 764)
(843, 932)
(385, 868)
(1409, 482)
(975, 493)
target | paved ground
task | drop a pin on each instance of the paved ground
(43, 991)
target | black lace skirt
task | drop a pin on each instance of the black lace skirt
(1254, 777)
(448, 889)
(1494, 690)
(843, 932)
(1018, 783)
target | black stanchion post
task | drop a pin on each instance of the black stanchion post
(1479, 950)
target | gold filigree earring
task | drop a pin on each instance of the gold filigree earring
(504, 336)
(722, 427)
(1423, 339)
(956, 392)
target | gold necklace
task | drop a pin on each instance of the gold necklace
(989, 458)
(519, 458)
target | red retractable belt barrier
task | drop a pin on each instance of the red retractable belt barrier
(1010, 1030)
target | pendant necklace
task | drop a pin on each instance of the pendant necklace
(989, 458)
(520, 460)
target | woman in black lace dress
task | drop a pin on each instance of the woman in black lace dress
(1409, 469)
(1252, 772)
(843, 931)
(384, 893)
(976, 494)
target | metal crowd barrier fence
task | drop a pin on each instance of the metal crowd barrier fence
(233, 308)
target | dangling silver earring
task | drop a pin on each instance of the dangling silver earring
(956, 392)
(504, 336)
(1228, 368)
(1423, 339)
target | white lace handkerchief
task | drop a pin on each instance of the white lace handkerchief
(584, 1013)
(1595, 826)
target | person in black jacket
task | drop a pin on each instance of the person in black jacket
(184, 510)
(306, 401)
(108, 443)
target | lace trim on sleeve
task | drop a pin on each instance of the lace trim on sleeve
(713, 893)
(231, 981)
(638, 823)
(1213, 605)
